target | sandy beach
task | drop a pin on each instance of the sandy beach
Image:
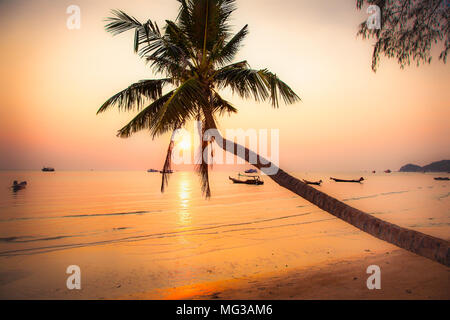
(404, 276)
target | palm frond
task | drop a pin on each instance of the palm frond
(177, 37)
(221, 106)
(172, 47)
(144, 119)
(159, 44)
(278, 88)
(147, 37)
(225, 54)
(167, 166)
(133, 97)
(166, 66)
(243, 81)
(180, 107)
(147, 34)
(144, 33)
(261, 84)
(205, 21)
(121, 22)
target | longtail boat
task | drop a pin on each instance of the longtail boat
(18, 186)
(254, 180)
(343, 180)
(316, 183)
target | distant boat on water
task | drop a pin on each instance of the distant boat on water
(167, 171)
(442, 178)
(387, 171)
(344, 180)
(251, 171)
(254, 180)
(152, 170)
(317, 183)
(48, 169)
(18, 186)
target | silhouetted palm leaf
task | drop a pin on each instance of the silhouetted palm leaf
(182, 106)
(226, 53)
(146, 118)
(135, 95)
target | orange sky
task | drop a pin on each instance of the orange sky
(54, 80)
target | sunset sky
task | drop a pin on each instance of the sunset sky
(55, 79)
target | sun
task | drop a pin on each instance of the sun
(185, 143)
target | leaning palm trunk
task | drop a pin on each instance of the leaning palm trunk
(427, 246)
(411, 240)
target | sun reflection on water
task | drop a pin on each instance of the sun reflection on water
(184, 194)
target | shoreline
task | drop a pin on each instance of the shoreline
(404, 275)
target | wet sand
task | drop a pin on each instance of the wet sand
(403, 276)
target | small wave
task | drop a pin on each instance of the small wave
(443, 196)
(281, 225)
(34, 239)
(12, 239)
(20, 239)
(81, 215)
(386, 212)
(107, 214)
(375, 195)
(394, 192)
(431, 224)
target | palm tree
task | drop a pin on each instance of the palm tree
(195, 54)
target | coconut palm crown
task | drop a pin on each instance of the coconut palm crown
(195, 54)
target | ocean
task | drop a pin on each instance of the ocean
(126, 236)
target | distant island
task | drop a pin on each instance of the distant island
(437, 166)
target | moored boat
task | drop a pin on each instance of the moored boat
(442, 178)
(18, 186)
(152, 170)
(317, 183)
(344, 180)
(254, 180)
(48, 169)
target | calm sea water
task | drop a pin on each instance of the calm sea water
(120, 228)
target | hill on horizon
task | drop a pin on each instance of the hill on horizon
(437, 166)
